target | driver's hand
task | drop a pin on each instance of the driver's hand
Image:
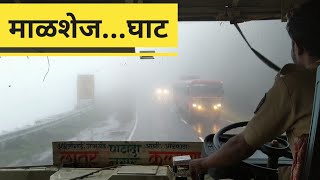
(197, 167)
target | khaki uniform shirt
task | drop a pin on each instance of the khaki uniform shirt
(286, 107)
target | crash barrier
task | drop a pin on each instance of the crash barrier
(44, 124)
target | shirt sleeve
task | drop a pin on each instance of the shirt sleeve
(272, 118)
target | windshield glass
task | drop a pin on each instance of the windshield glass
(46, 99)
(206, 90)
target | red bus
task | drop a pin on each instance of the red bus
(199, 98)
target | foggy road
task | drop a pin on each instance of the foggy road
(160, 122)
(144, 121)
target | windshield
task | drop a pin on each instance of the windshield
(46, 99)
(206, 90)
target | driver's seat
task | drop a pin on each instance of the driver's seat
(311, 168)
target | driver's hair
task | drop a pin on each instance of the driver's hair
(304, 27)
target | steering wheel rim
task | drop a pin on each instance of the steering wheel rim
(257, 168)
(216, 141)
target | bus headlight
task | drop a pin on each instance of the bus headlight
(159, 91)
(162, 91)
(217, 107)
(197, 107)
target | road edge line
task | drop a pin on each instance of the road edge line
(134, 127)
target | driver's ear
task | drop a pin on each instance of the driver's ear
(297, 48)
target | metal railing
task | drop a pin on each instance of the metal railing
(42, 125)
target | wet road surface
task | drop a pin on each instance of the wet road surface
(144, 121)
(160, 122)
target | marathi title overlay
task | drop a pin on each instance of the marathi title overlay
(49, 27)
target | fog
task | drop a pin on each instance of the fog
(212, 50)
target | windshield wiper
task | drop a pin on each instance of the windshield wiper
(259, 55)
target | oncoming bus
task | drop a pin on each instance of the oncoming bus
(199, 99)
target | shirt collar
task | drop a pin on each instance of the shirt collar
(314, 65)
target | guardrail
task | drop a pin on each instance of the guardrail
(43, 125)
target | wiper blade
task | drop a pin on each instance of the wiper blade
(259, 55)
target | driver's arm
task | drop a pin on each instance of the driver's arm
(231, 153)
(273, 118)
(235, 150)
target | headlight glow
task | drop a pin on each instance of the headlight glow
(166, 91)
(159, 91)
(194, 105)
(199, 130)
(217, 106)
(199, 107)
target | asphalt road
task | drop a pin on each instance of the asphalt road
(160, 122)
(144, 121)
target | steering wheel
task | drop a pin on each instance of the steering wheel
(274, 149)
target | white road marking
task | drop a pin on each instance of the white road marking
(201, 139)
(229, 121)
(134, 127)
(183, 121)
